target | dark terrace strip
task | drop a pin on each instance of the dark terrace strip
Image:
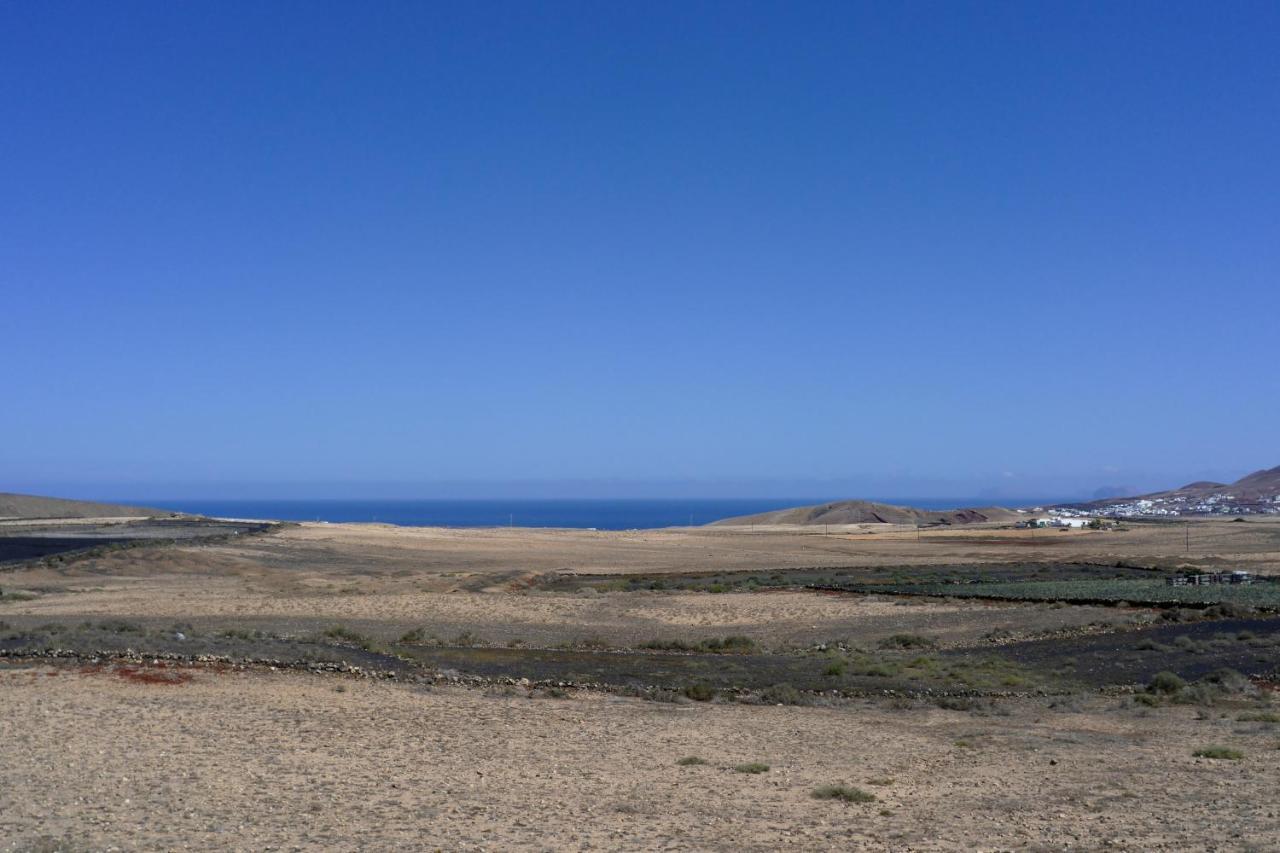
(1249, 646)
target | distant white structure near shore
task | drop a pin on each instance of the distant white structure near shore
(1054, 521)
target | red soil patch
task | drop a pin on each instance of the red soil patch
(157, 673)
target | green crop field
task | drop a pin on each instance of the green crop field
(1139, 591)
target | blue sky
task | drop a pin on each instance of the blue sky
(725, 249)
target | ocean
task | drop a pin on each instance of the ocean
(597, 513)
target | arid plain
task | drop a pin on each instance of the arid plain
(367, 686)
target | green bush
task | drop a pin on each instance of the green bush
(734, 644)
(1259, 717)
(344, 634)
(731, 645)
(783, 694)
(1222, 752)
(417, 635)
(692, 761)
(843, 793)
(753, 767)
(1166, 683)
(700, 692)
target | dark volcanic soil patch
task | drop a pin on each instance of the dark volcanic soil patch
(1249, 646)
(14, 549)
(34, 541)
(845, 576)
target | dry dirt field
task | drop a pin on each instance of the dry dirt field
(118, 753)
(274, 761)
(386, 578)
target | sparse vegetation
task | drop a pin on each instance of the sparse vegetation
(1209, 690)
(783, 694)
(1219, 752)
(1259, 717)
(120, 626)
(700, 692)
(346, 635)
(242, 634)
(692, 761)
(731, 645)
(1132, 590)
(907, 641)
(753, 767)
(1166, 684)
(843, 793)
(591, 643)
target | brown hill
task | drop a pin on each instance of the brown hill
(32, 506)
(867, 512)
(1266, 481)
(1259, 487)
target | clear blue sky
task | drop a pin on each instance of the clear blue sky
(728, 248)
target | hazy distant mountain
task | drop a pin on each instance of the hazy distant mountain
(32, 506)
(1113, 492)
(1264, 483)
(1258, 492)
(867, 512)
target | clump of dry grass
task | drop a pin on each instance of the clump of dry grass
(843, 793)
(1220, 752)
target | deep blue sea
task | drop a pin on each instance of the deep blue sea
(598, 513)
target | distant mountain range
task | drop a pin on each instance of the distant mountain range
(1255, 494)
(32, 506)
(867, 512)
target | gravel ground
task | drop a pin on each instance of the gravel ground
(98, 759)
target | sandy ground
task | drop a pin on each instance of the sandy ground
(1254, 544)
(275, 761)
(774, 620)
(384, 580)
